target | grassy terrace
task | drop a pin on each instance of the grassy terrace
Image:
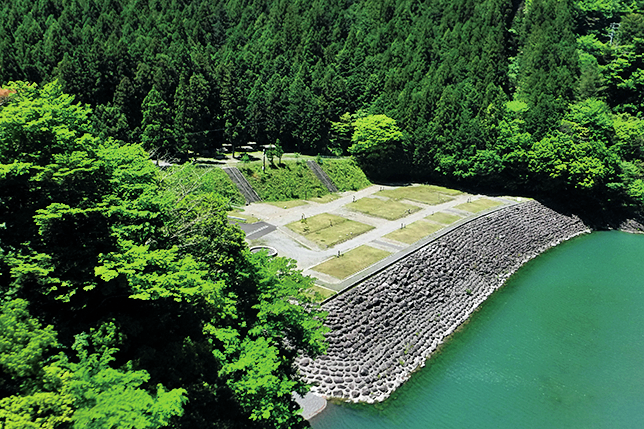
(351, 262)
(327, 230)
(443, 218)
(478, 205)
(387, 209)
(414, 232)
(425, 194)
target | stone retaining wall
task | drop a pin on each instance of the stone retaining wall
(387, 326)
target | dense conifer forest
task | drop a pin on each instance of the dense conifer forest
(538, 96)
(126, 299)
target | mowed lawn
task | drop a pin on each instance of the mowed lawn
(351, 262)
(327, 230)
(478, 205)
(413, 232)
(386, 209)
(443, 218)
(425, 194)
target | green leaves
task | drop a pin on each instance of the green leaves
(377, 143)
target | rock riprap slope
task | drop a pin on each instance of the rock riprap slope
(387, 326)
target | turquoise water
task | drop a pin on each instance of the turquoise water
(560, 346)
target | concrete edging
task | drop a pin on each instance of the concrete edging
(385, 263)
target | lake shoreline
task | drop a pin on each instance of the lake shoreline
(386, 327)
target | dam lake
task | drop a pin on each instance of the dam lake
(561, 345)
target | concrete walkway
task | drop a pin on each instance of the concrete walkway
(308, 254)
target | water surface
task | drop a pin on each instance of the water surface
(560, 346)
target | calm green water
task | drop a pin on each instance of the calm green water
(560, 346)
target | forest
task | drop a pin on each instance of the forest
(126, 299)
(538, 96)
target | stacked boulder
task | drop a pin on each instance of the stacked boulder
(385, 328)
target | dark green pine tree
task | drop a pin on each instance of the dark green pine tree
(191, 114)
(157, 135)
(549, 64)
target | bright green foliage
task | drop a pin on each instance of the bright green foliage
(561, 162)
(377, 145)
(629, 136)
(341, 134)
(22, 342)
(90, 393)
(106, 398)
(141, 282)
(198, 180)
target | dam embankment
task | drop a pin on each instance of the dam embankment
(385, 328)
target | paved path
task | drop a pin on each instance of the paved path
(311, 404)
(308, 254)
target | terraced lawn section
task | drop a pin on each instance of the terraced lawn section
(387, 209)
(443, 218)
(478, 205)
(327, 230)
(288, 204)
(414, 232)
(351, 262)
(425, 194)
(443, 190)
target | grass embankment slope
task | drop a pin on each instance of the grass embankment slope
(286, 181)
(200, 180)
(345, 173)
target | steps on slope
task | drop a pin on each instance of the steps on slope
(324, 178)
(242, 184)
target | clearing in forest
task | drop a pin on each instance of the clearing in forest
(351, 262)
(478, 205)
(413, 232)
(327, 230)
(425, 194)
(386, 209)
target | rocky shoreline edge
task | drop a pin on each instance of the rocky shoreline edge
(386, 327)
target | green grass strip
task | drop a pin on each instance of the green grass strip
(327, 230)
(387, 209)
(413, 232)
(351, 262)
(443, 218)
(422, 193)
